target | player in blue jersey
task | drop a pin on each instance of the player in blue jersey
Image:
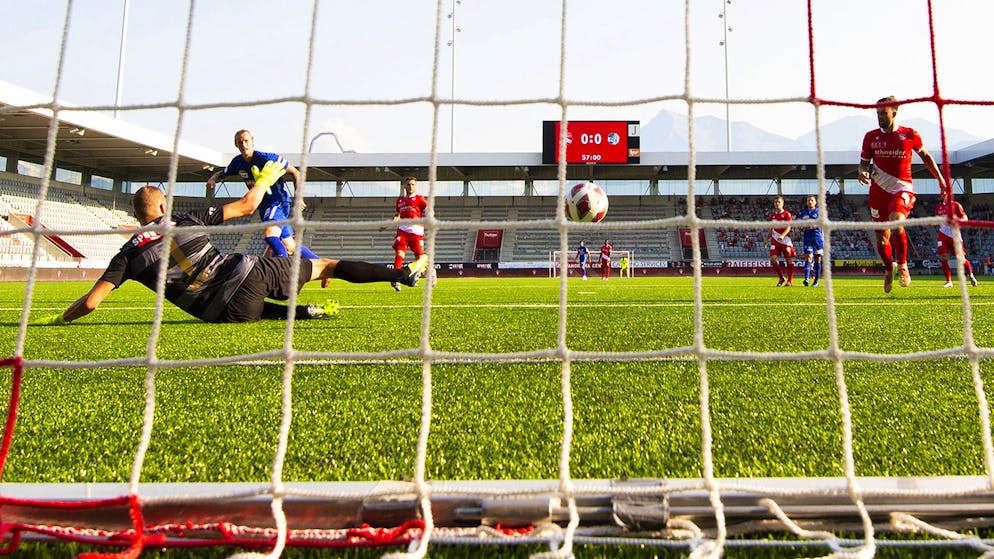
(814, 242)
(582, 259)
(277, 201)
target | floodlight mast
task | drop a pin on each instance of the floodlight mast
(724, 43)
(120, 59)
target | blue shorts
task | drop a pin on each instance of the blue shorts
(277, 212)
(814, 246)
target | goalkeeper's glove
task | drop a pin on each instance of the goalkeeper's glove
(270, 173)
(52, 320)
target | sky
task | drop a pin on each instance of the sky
(372, 58)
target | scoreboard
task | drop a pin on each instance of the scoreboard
(592, 141)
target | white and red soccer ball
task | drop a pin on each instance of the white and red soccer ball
(586, 202)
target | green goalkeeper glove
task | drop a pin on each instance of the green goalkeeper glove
(53, 320)
(270, 173)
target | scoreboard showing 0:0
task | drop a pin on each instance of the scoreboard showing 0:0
(592, 141)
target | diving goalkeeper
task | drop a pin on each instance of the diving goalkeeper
(216, 287)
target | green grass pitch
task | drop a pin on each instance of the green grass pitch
(493, 420)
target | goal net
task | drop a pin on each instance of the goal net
(842, 515)
(621, 264)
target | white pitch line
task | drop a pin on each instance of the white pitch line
(640, 304)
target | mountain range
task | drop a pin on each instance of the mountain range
(667, 131)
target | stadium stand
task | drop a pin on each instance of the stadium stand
(65, 209)
(366, 243)
(334, 231)
(751, 242)
(16, 248)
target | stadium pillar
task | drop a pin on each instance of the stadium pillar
(116, 188)
(842, 186)
(339, 186)
(11, 166)
(717, 188)
(654, 187)
(529, 187)
(465, 188)
(968, 187)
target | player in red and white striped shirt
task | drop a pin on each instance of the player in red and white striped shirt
(781, 244)
(945, 242)
(410, 205)
(892, 195)
(606, 260)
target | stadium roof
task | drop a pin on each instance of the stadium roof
(101, 144)
(976, 161)
(93, 141)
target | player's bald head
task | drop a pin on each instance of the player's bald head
(149, 203)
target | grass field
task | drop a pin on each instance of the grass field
(494, 420)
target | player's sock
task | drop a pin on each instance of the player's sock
(398, 261)
(885, 255)
(364, 272)
(807, 270)
(778, 270)
(946, 271)
(817, 271)
(900, 250)
(307, 253)
(790, 270)
(276, 245)
(967, 267)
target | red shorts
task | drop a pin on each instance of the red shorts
(945, 246)
(780, 249)
(405, 239)
(883, 203)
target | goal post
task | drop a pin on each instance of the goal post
(594, 263)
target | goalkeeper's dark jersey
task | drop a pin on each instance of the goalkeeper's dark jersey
(200, 280)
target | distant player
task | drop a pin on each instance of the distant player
(892, 195)
(813, 242)
(606, 260)
(946, 239)
(410, 205)
(781, 244)
(583, 259)
(276, 202)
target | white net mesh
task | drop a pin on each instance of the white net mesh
(554, 507)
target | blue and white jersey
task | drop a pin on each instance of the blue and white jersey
(279, 195)
(812, 233)
(582, 255)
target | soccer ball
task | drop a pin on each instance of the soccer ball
(586, 202)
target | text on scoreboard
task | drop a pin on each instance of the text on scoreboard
(592, 141)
